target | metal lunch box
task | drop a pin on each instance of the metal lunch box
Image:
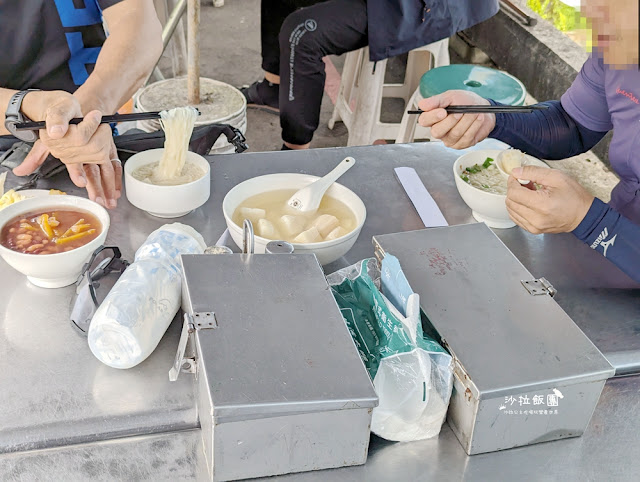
(523, 371)
(280, 385)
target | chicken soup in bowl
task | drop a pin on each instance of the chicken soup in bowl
(483, 188)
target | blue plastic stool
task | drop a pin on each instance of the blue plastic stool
(486, 82)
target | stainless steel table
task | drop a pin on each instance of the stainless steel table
(66, 416)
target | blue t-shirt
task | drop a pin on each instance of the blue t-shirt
(602, 99)
(50, 44)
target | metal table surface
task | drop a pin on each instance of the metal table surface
(95, 421)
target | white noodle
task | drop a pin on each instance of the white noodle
(177, 125)
(146, 173)
(489, 180)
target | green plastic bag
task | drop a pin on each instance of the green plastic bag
(412, 374)
(376, 331)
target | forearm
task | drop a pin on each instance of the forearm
(613, 235)
(127, 57)
(547, 134)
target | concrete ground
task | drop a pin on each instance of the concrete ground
(230, 52)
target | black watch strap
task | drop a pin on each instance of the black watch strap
(14, 116)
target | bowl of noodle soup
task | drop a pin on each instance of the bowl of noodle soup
(166, 200)
(173, 181)
(485, 191)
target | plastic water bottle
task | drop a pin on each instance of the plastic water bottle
(136, 313)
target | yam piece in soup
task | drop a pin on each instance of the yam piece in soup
(50, 232)
(273, 219)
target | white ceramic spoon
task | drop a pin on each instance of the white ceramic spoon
(307, 199)
(506, 164)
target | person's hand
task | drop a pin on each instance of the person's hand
(557, 207)
(458, 131)
(102, 181)
(87, 148)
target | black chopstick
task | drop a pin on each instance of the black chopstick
(488, 109)
(106, 119)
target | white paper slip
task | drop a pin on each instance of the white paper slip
(427, 208)
(224, 239)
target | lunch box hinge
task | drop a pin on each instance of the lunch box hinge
(537, 287)
(378, 252)
(192, 323)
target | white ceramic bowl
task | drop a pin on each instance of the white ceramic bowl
(166, 201)
(485, 206)
(60, 269)
(326, 251)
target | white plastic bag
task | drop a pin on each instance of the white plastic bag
(413, 387)
(412, 374)
(134, 316)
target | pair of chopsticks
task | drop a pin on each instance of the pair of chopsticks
(106, 119)
(488, 109)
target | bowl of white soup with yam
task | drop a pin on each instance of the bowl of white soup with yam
(483, 187)
(329, 233)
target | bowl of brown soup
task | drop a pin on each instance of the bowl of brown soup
(50, 238)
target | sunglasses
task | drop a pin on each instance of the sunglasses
(104, 261)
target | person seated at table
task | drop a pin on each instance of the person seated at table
(294, 41)
(603, 97)
(61, 49)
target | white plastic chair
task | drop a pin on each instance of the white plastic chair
(409, 124)
(362, 89)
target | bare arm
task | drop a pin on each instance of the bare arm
(127, 57)
(131, 50)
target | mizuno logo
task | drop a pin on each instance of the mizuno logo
(605, 244)
(600, 241)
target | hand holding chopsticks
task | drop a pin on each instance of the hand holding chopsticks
(461, 118)
(488, 109)
(106, 119)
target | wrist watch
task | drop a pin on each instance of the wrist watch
(13, 116)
